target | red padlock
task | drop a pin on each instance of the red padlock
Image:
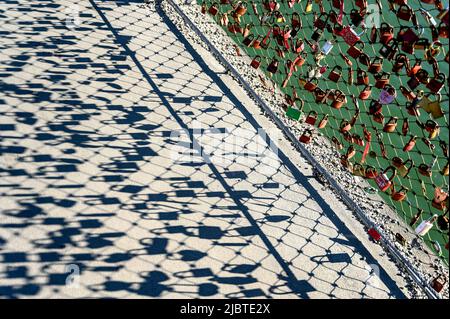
(391, 125)
(248, 40)
(256, 62)
(349, 35)
(409, 95)
(356, 50)
(374, 234)
(301, 59)
(203, 8)
(335, 73)
(311, 84)
(213, 10)
(376, 65)
(405, 12)
(401, 61)
(273, 66)
(383, 181)
(306, 137)
(311, 118)
(339, 99)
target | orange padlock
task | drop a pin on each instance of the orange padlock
(391, 125)
(399, 195)
(410, 145)
(323, 122)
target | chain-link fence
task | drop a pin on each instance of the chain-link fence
(370, 76)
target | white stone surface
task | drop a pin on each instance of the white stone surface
(135, 219)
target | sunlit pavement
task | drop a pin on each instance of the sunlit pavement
(129, 168)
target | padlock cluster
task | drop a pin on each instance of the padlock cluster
(372, 77)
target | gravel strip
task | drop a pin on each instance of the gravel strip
(420, 256)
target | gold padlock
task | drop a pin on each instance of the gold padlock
(432, 107)
(309, 6)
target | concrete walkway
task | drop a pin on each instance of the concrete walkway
(132, 166)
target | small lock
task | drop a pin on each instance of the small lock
(376, 65)
(335, 73)
(327, 47)
(306, 137)
(389, 49)
(311, 118)
(386, 33)
(383, 181)
(405, 12)
(256, 62)
(273, 66)
(317, 35)
(356, 50)
(355, 17)
(382, 79)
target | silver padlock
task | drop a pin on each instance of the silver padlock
(327, 47)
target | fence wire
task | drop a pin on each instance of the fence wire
(410, 134)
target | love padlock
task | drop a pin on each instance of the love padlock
(327, 47)
(294, 112)
(339, 100)
(213, 10)
(391, 125)
(301, 59)
(387, 94)
(256, 62)
(366, 92)
(350, 36)
(273, 66)
(356, 50)
(408, 94)
(403, 167)
(376, 66)
(410, 145)
(401, 61)
(299, 46)
(389, 50)
(322, 21)
(323, 122)
(375, 107)
(306, 137)
(248, 40)
(311, 118)
(435, 84)
(383, 181)
(335, 73)
(382, 79)
(432, 128)
(405, 12)
(386, 33)
(362, 78)
(311, 85)
(356, 17)
(399, 195)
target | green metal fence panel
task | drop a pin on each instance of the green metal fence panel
(383, 100)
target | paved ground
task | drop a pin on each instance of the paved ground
(132, 168)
